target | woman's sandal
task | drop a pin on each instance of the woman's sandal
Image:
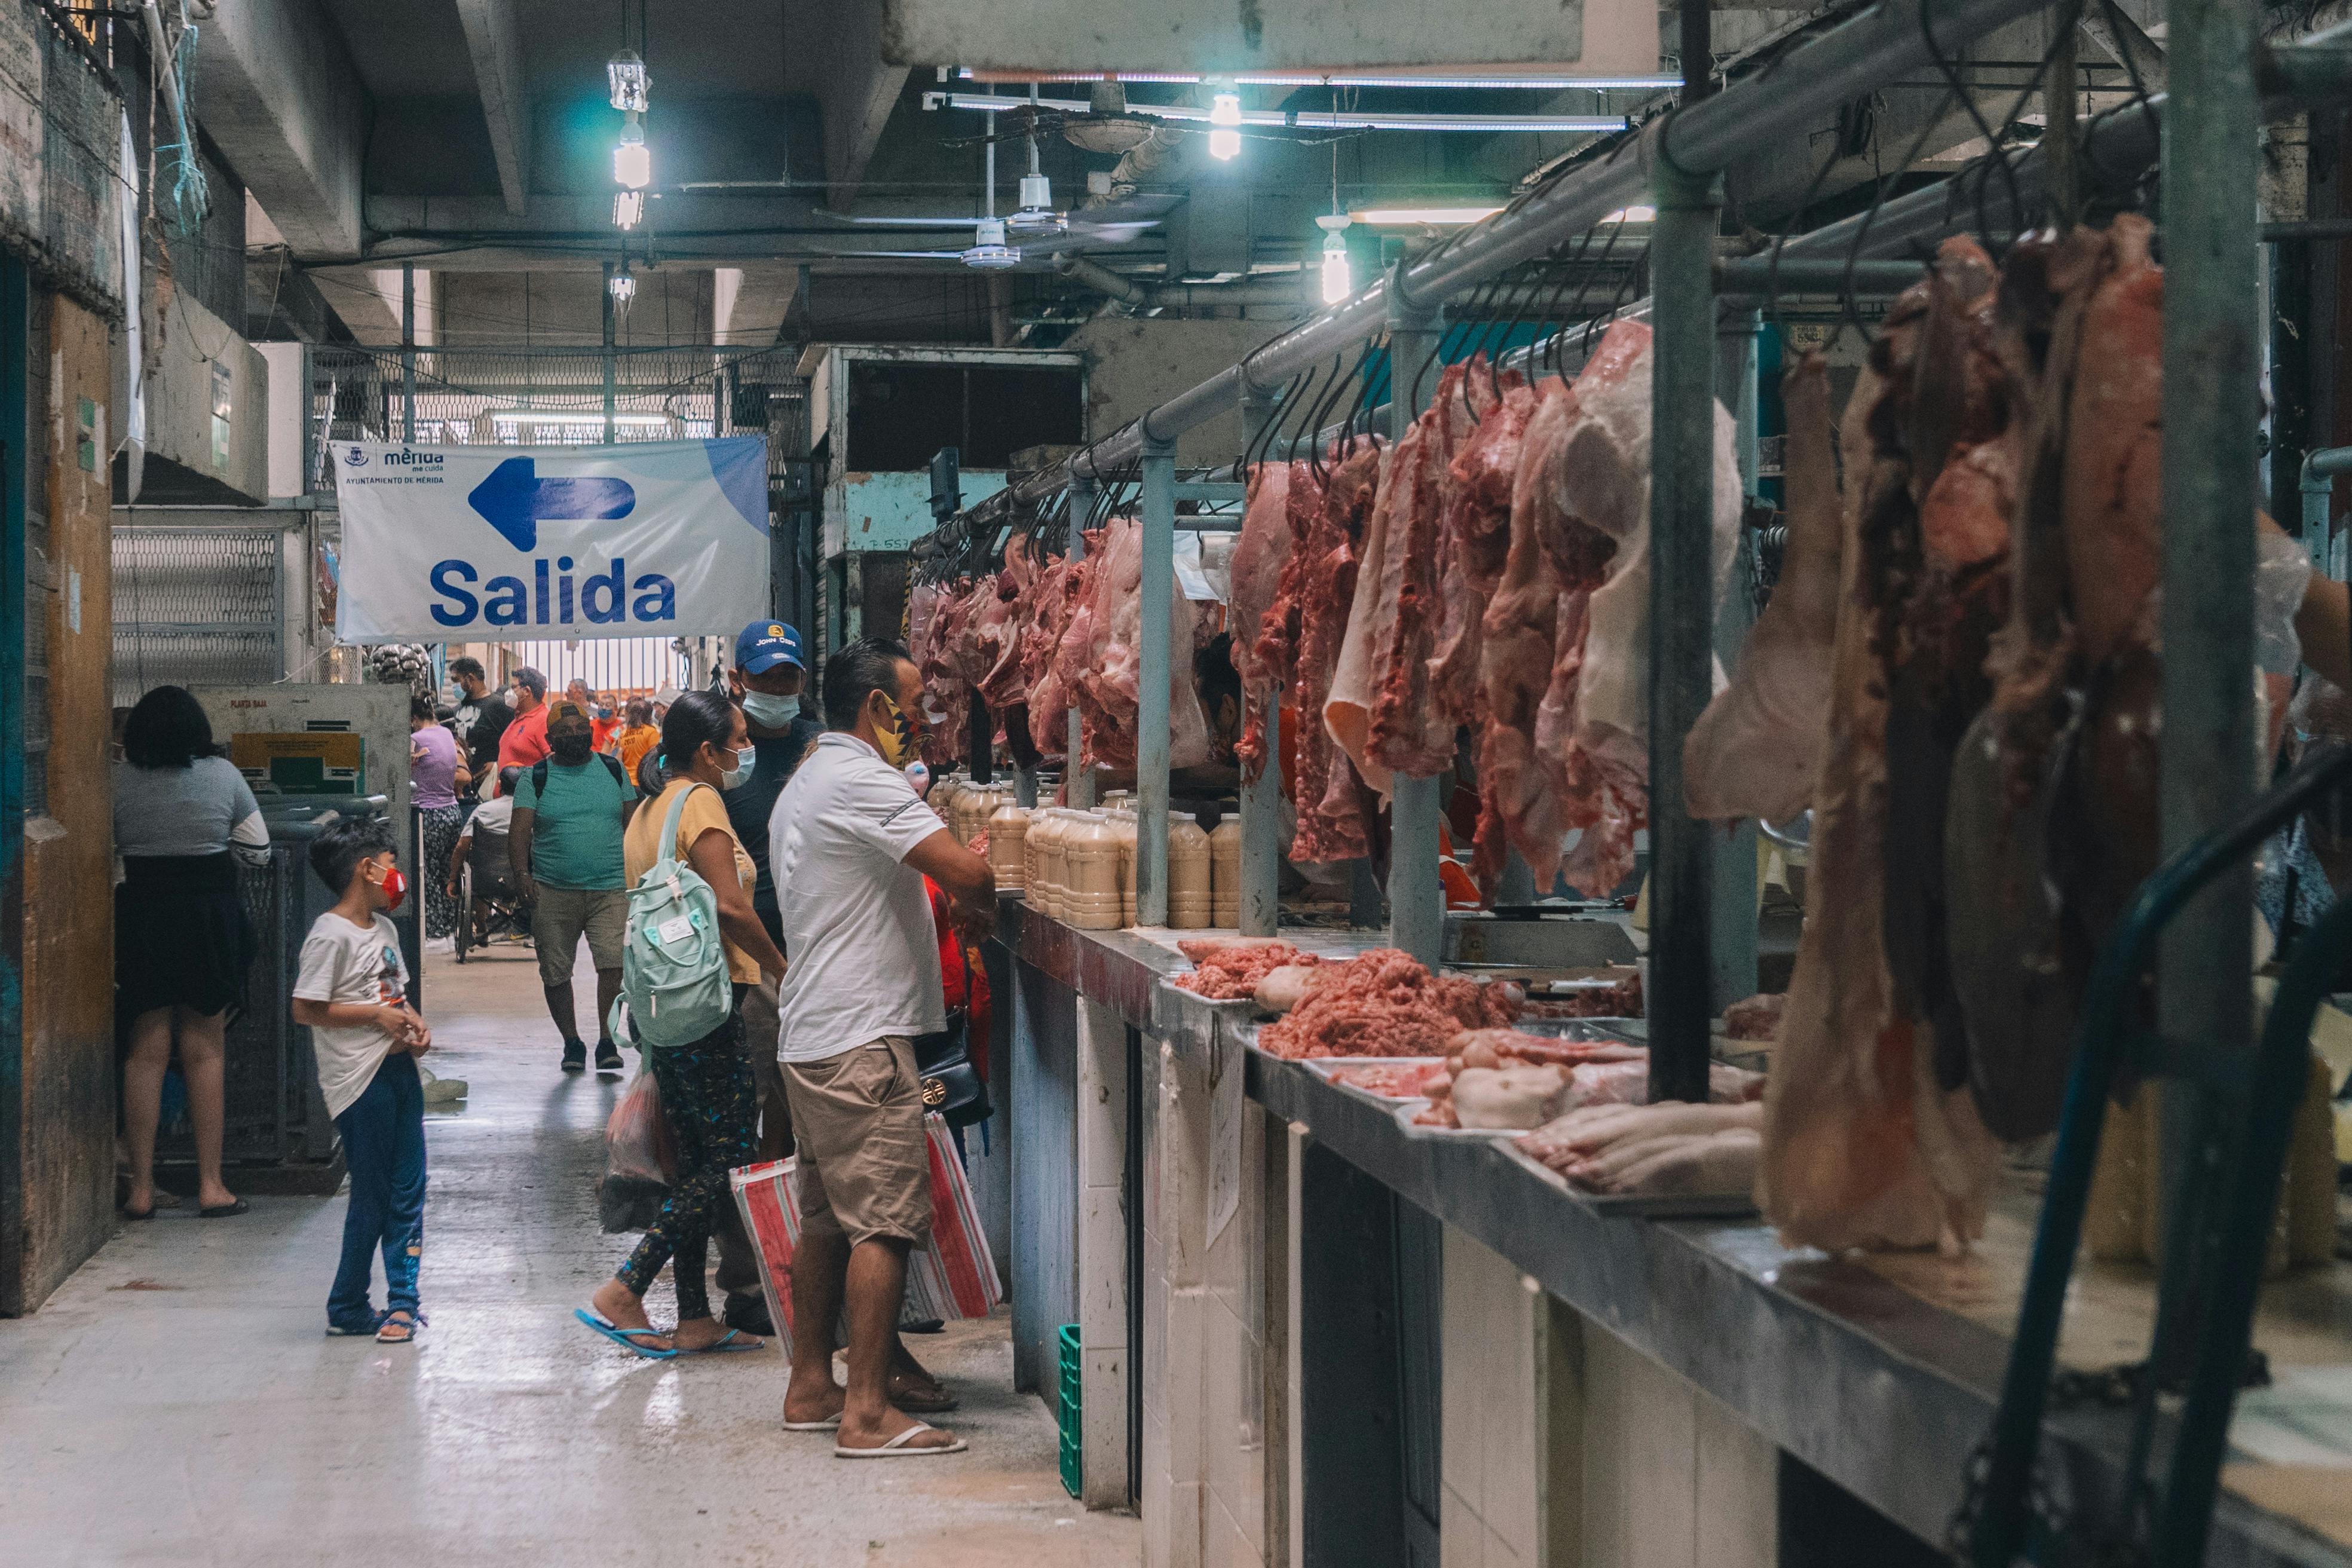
(624, 1338)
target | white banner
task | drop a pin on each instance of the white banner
(478, 544)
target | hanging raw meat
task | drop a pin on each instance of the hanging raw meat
(1841, 1165)
(1476, 536)
(1101, 656)
(1518, 806)
(1347, 711)
(1411, 732)
(1329, 793)
(1757, 748)
(998, 621)
(1260, 560)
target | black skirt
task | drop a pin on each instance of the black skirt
(181, 937)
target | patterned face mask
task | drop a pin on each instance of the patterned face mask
(899, 740)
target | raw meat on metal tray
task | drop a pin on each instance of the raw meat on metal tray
(1229, 971)
(1385, 1002)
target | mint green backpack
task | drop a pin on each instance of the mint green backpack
(674, 987)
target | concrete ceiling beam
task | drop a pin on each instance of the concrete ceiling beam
(749, 304)
(494, 37)
(1601, 36)
(857, 86)
(277, 95)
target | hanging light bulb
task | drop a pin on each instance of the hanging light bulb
(626, 71)
(1339, 278)
(628, 208)
(1225, 118)
(623, 289)
(633, 165)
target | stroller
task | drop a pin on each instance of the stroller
(487, 903)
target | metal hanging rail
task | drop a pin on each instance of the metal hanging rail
(1845, 63)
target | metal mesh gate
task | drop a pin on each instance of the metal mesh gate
(197, 604)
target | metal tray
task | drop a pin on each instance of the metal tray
(1327, 1068)
(1701, 1206)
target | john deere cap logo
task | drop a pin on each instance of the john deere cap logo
(935, 1091)
(775, 631)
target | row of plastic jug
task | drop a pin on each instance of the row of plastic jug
(1079, 867)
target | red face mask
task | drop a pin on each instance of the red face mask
(395, 887)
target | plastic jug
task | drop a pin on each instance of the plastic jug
(1048, 837)
(1008, 833)
(1188, 873)
(1093, 858)
(1122, 828)
(1225, 871)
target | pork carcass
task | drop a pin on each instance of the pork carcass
(1411, 732)
(1259, 560)
(1328, 792)
(1756, 750)
(1594, 726)
(1107, 684)
(1518, 806)
(1003, 603)
(1477, 537)
(1861, 1146)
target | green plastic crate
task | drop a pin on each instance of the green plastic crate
(1073, 1363)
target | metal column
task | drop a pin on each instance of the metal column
(1733, 928)
(1077, 779)
(1261, 893)
(407, 352)
(1416, 894)
(1153, 667)
(1681, 987)
(608, 353)
(2206, 745)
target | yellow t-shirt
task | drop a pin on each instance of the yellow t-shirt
(641, 846)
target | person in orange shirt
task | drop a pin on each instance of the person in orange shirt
(638, 735)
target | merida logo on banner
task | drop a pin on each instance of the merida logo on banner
(514, 501)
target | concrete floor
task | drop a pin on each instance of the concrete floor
(177, 1402)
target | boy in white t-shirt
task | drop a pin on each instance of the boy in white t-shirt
(352, 995)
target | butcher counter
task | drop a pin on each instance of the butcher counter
(1496, 1372)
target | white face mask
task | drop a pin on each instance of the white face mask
(746, 760)
(769, 711)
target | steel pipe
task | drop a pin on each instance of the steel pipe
(1155, 662)
(1680, 992)
(1416, 890)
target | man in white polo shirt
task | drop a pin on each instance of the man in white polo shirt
(852, 842)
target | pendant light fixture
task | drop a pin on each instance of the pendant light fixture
(623, 288)
(1338, 277)
(632, 165)
(988, 251)
(1036, 218)
(1224, 125)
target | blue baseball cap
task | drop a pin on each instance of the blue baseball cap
(764, 645)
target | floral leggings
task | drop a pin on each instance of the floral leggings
(709, 1098)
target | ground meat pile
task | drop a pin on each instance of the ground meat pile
(1229, 971)
(1384, 1004)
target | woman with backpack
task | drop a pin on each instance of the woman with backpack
(707, 1089)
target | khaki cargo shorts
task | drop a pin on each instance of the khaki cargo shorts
(857, 1124)
(563, 915)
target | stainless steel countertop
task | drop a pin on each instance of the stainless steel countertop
(1880, 1389)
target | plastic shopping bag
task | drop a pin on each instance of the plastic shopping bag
(951, 1275)
(639, 1159)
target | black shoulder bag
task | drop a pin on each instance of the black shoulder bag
(951, 1084)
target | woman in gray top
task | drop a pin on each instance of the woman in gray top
(183, 817)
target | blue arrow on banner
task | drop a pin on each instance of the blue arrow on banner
(514, 499)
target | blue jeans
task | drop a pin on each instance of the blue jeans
(384, 1143)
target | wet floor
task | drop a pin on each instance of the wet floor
(177, 1401)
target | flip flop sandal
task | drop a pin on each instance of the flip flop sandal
(895, 1448)
(830, 1424)
(624, 1338)
(224, 1211)
(416, 1321)
(729, 1343)
(920, 1400)
(355, 1330)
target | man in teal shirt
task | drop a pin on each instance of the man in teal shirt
(569, 814)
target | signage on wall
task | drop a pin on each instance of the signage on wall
(650, 538)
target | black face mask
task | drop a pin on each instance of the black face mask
(569, 748)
